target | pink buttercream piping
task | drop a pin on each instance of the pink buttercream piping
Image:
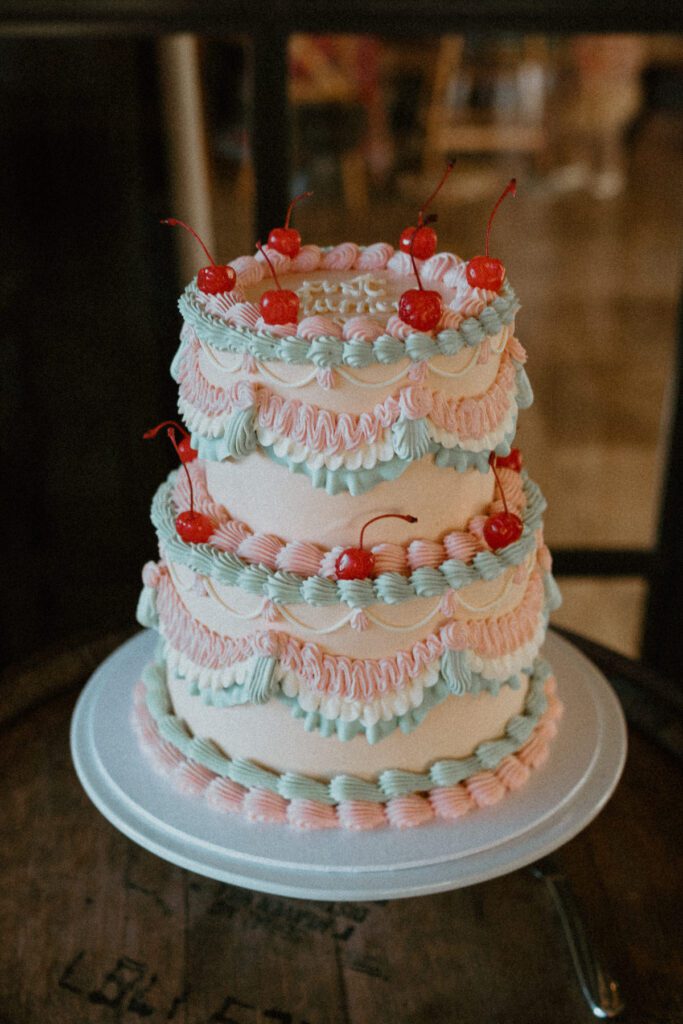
(363, 328)
(341, 257)
(375, 257)
(412, 810)
(355, 679)
(320, 430)
(312, 327)
(307, 559)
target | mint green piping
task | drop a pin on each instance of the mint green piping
(390, 783)
(329, 352)
(410, 439)
(388, 588)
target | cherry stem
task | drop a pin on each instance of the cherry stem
(430, 220)
(149, 434)
(171, 433)
(181, 223)
(449, 167)
(510, 189)
(302, 195)
(500, 486)
(272, 268)
(386, 515)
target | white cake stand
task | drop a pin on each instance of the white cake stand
(586, 760)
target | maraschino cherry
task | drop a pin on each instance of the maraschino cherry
(503, 528)
(278, 306)
(287, 240)
(192, 526)
(186, 452)
(211, 280)
(512, 461)
(419, 307)
(482, 271)
(423, 238)
(357, 563)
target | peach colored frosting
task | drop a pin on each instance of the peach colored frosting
(449, 803)
(309, 559)
(362, 679)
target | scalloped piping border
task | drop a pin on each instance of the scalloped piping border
(412, 800)
(290, 588)
(328, 352)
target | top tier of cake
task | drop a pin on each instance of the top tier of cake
(351, 395)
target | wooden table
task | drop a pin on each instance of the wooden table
(96, 929)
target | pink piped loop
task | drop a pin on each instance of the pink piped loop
(450, 320)
(415, 402)
(262, 805)
(326, 378)
(451, 802)
(519, 575)
(270, 611)
(455, 636)
(418, 372)
(359, 620)
(484, 352)
(448, 605)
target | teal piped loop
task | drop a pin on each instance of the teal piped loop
(358, 354)
(456, 672)
(411, 438)
(268, 347)
(262, 682)
(551, 591)
(399, 783)
(525, 394)
(420, 347)
(146, 612)
(450, 342)
(284, 587)
(325, 352)
(341, 788)
(240, 433)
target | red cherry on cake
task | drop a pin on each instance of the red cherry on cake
(280, 305)
(287, 240)
(512, 461)
(216, 279)
(422, 239)
(484, 271)
(418, 307)
(354, 564)
(357, 563)
(186, 453)
(502, 528)
(425, 241)
(193, 527)
(212, 280)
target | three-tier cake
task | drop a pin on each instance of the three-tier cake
(310, 671)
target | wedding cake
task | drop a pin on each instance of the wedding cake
(353, 588)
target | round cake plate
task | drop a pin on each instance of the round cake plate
(561, 798)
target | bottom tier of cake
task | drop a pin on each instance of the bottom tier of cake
(259, 761)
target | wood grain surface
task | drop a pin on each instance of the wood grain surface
(98, 930)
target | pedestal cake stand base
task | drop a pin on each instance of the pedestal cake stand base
(560, 799)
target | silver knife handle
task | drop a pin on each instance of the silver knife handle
(599, 989)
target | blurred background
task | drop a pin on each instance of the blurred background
(101, 136)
